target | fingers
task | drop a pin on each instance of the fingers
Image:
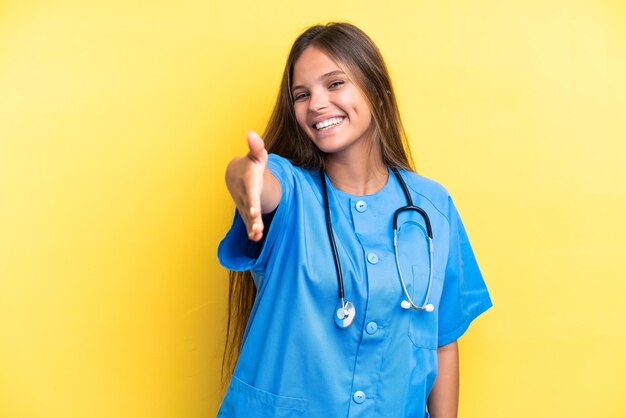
(253, 186)
(248, 201)
(244, 179)
(254, 226)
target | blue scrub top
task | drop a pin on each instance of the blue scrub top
(294, 360)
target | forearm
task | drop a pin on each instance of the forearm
(443, 401)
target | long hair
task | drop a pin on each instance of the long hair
(353, 50)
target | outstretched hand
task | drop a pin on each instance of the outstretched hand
(244, 179)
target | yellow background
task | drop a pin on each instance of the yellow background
(118, 118)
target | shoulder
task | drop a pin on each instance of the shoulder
(278, 159)
(278, 162)
(281, 163)
(428, 189)
(289, 175)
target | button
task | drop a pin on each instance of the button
(371, 328)
(359, 396)
(372, 258)
(361, 206)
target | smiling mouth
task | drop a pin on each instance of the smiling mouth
(328, 123)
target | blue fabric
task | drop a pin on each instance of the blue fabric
(294, 360)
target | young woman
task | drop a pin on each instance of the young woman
(354, 273)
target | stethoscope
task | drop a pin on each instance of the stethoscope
(344, 311)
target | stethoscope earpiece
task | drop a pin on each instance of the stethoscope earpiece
(429, 307)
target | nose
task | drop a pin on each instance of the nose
(318, 101)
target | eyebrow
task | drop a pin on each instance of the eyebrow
(330, 74)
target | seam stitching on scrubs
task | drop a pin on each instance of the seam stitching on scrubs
(412, 187)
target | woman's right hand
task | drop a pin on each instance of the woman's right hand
(253, 188)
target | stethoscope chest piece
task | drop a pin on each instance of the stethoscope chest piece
(344, 314)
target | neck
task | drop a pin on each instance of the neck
(357, 177)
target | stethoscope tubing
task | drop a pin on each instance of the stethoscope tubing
(331, 238)
(345, 311)
(425, 306)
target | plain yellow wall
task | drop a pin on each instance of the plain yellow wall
(117, 119)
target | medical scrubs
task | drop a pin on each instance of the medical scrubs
(295, 361)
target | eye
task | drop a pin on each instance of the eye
(299, 96)
(335, 84)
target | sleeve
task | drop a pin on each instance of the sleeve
(464, 296)
(236, 252)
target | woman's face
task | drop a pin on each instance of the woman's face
(329, 107)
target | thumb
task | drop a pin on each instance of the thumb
(257, 147)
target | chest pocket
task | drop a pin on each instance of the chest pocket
(243, 400)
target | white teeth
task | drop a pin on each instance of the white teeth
(327, 123)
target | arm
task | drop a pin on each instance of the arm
(443, 401)
(253, 187)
